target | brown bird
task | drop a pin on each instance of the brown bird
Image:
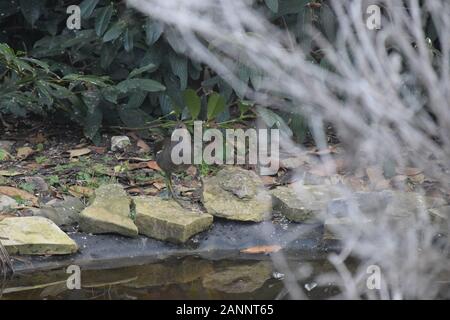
(165, 161)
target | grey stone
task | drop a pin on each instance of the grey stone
(119, 143)
(38, 183)
(61, 212)
(237, 194)
(303, 203)
(6, 145)
(7, 203)
(34, 236)
(109, 212)
(167, 220)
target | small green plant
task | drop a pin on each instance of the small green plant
(53, 180)
(40, 147)
(28, 187)
(3, 155)
(41, 159)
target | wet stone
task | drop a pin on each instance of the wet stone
(34, 236)
(237, 194)
(109, 212)
(167, 220)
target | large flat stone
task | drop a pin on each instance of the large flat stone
(109, 212)
(35, 236)
(303, 203)
(167, 220)
(237, 194)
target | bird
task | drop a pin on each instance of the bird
(165, 162)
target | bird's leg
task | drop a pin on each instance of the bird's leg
(172, 192)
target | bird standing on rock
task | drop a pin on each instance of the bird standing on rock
(165, 161)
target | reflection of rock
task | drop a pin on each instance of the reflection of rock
(34, 235)
(237, 194)
(303, 202)
(240, 278)
(62, 212)
(167, 220)
(184, 271)
(109, 213)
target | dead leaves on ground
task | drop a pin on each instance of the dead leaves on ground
(75, 153)
(80, 191)
(153, 165)
(24, 152)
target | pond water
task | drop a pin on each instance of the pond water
(186, 278)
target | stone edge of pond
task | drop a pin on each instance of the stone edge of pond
(225, 240)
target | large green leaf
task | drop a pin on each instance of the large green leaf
(114, 32)
(31, 9)
(87, 7)
(192, 102)
(94, 115)
(216, 105)
(179, 65)
(102, 20)
(273, 120)
(148, 85)
(153, 31)
(148, 68)
(272, 5)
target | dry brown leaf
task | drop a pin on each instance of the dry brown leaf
(408, 171)
(268, 180)
(99, 150)
(38, 138)
(80, 191)
(9, 173)
(418, 178)
(135, 190)
(79, 152)
(143, 146)
(139, 165)
(24, 152)
(14, 192)
(158, 185)
(262, 249)
(153, 165)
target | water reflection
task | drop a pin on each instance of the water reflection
(187, 278)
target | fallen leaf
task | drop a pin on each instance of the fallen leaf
(79, 152)
(143, 146)
(14, 192)
(9, 173)
(262, 249)
(191, 171)
(418, 178)
(38, 138)
(139, 165)
(99, 150)
(135, 190)
(318, 152)
(376, 177)
(80, 191)
(153, 165)
(408, 171)
(24, 152)
(158, 185)
(268, 180)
